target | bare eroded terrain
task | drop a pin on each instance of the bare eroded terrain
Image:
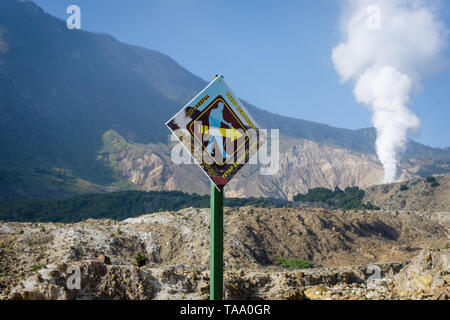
(340, 245)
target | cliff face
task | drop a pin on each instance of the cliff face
(304, 164)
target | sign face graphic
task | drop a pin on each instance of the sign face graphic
(218, 132)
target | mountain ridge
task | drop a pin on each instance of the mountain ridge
(61, 90)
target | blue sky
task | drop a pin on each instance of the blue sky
(274, 54)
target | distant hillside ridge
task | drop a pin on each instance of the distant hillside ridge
(428, 195)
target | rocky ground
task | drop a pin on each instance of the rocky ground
(356, 255)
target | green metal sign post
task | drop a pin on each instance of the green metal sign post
(215, 118)
(216, 244)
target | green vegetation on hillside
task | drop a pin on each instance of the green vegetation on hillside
(434, 184)
(125, 204)
(294, 263)
(432, 181)
(140, 260)
(350, 198)
(114, 205)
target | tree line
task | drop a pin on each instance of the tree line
(114, 205)
(350, 198)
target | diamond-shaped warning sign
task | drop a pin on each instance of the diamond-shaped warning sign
(218, 132)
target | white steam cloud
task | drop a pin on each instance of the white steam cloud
(390, 44)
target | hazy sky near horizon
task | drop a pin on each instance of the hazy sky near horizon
(276, 55)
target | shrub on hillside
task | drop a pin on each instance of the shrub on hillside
(434, 184)
(140, 260)
(294, 263)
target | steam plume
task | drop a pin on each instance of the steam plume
(390, 45)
